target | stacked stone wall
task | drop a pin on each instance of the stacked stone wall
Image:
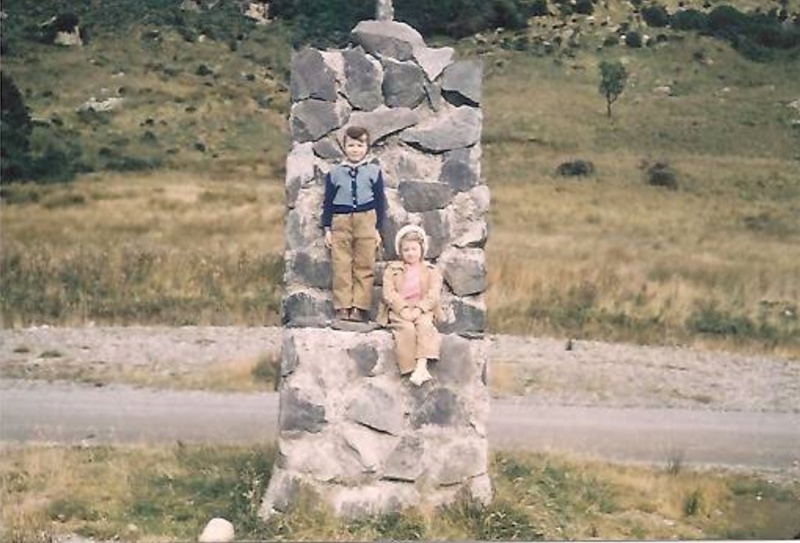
(351, 428)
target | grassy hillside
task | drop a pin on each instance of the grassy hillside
(177, 218)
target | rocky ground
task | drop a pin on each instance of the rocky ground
(546, 371)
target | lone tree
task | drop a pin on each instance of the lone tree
(613, 76)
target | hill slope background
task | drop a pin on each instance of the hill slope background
(167, 208)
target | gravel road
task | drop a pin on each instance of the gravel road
(592, 374)
(621, 402)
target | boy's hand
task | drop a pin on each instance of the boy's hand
(407, 314)
(377, 237)
(328, 239)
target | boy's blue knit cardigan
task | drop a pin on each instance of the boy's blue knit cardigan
(354, 188)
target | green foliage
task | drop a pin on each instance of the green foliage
(661, 174)
(689, 19)
(633, 39)
(460, 18)
(16, 128)
(406, 526)
(655, 16)
(692, 503)
(709, 319)
(498, 521)
(613, 77)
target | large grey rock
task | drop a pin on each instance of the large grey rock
(404, 163)
(366, 357)
(284, 490)
(300, 171)
(461, 127)
(377, 409)
(311, 77)
(435, 225)
(309, 270)
(458, 172)
(418, 196)
(289, 357)
(456, 366)
(362, 80)
(306, 305)
(328, 148)
(299, 415)
(440, 407)
(466, 316)
(434, 95)
(459, 462)
(387, 38)
(403, 84)
(464, 271)
(312, 119)
(461, 83)
(384, 122)
(433, 60)
(403, 464)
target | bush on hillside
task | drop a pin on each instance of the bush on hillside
(584, 7)
(539, 8)
(633, 39)
(661, 174)
(689, 19)
(460, 18)
(655, 16)
(16, 127)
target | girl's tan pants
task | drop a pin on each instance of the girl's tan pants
(414, 340)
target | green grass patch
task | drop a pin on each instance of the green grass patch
(169, 493)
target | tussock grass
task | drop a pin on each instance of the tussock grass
(713, 263)
(168, 247)
(168, 493)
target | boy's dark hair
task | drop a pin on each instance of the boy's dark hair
(357, 133)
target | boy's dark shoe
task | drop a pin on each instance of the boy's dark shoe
(359, 315)
(341, 314)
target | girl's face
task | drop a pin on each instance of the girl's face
(354, 149)
(411, 251)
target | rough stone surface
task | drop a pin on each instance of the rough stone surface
(353, 431)
(403, 84)
(362, 80)
(312, 119)
(461, 83)
(457, 171)
(383, 122)
(433, 60)
(387, 38)
(420, 196)
(311, 77)
(456, 129)
(464, 271)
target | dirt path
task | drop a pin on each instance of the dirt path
(543, 370)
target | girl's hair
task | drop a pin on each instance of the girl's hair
(357, 133)
(413, 236)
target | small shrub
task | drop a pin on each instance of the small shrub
(575, 168)
(661, 174)
(584, 7)
(633, 39)
(655, 16)
(708, 319)
(692, 503)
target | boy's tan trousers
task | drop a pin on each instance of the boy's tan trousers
(414, 340)
(353, 247)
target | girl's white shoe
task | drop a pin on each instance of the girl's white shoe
(421, 373)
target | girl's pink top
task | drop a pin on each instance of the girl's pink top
(412, 288)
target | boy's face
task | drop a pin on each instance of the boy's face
(355, 149)
(411, 251)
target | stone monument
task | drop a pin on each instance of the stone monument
(351, 430)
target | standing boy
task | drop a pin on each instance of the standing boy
(352, 215)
